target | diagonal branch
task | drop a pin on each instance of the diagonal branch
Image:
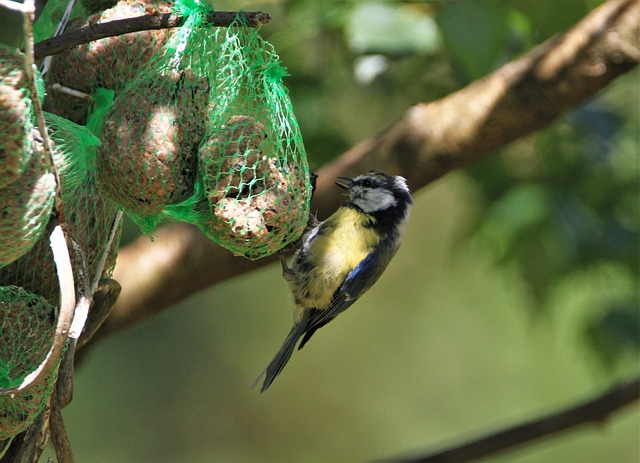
(93, 32)
(595, 410)
(521, 97)
(428, 141)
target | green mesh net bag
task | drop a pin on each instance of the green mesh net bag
(27, 186)
(110, 63)
(151, 133)
(27, 203)
(25, 207)
(252, 163)
(27, 327)
(90, 216)
(16, 116)
(206, 134)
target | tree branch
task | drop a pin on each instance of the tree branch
(521, 97)
(428, 141)
(93, 32)
(596, 410)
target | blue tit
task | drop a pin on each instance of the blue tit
(341, 258)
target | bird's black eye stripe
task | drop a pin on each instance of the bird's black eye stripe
(367, 183)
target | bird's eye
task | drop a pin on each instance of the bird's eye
(367, 183)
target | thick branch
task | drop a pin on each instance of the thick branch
(596, 410)
(93, 32)
(521, 97)
(430, 140)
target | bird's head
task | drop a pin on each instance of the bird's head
(376, 191)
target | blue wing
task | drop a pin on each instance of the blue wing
(358, 281)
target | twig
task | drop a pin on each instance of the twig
(93, 32)
(58, 432)
(104, 298)
(31, 72)
(25, 447)
(64, 383)
(87, 287)
(70, 91)
(595, 410)
(115, 227)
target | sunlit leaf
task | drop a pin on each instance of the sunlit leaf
(475, 33)
(391, 28)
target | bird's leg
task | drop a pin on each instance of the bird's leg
(287, 273)
(313, 221)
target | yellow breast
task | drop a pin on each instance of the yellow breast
(344, 242)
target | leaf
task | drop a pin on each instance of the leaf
(549, 17)
(388, 28)
(475, 33)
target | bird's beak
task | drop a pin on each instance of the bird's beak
(344, 182)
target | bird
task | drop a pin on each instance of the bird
(341, 258)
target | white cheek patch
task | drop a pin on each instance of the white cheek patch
(401, 183)
(375, 200)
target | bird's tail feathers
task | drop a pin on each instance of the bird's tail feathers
(282, 357)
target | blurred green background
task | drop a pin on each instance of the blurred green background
(515, 292)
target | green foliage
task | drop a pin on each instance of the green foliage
(50, 16)
(546, 18)
(613, 333)
(566, 202)
(475, 34)
(378, 27)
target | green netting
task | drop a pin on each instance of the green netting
(27, 187)
(27, 203)
(16, 116)
(25, 207)
(108, 63)
(152, 130)
(89, 215)
(75, 150)
(252, 162)
(206, 134)
(27, 327)
(35, 271)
